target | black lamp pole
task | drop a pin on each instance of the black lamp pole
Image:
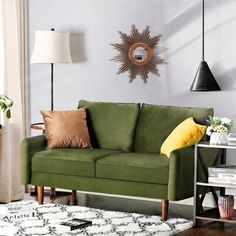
(52, 81)
(204, 80)
(203, 30)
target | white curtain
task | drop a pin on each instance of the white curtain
(12, 83)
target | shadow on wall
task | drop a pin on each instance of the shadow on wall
(77, 46)
(226, 80)
(187, 15)
(200, 35)
(174, 25)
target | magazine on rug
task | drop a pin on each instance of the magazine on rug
(17, 210)
(7, 229)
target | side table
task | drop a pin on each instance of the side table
(211, 214)
(38, 126)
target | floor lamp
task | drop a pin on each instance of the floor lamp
(204, 80)
(51, 47)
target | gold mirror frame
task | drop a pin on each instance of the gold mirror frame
(139, 64)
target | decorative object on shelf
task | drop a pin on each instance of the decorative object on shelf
(5, 105)
(226, 206)
(51, 47)
(204, 79)
(136, 53)
(219, 138)
(218, 129)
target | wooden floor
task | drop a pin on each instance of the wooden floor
(139, 206)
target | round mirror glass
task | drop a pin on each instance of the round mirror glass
(140, 54)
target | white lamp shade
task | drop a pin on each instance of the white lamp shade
(51, 47)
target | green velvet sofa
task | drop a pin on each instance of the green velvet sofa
(125, 158)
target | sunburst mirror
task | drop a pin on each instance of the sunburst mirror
(139, 53)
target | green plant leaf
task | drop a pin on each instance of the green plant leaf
(5, 104)
(8, 113)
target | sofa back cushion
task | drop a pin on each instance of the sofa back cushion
(156, 122)
(111, 125)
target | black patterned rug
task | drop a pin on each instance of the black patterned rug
(108, 223)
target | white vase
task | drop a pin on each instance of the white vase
(219, 138)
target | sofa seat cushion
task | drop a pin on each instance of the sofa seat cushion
(68, 161)
(138, 167)
(111, 125)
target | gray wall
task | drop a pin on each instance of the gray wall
(94, 25)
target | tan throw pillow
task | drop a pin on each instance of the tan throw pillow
(66, 128)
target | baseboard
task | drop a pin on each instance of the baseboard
(208, 202)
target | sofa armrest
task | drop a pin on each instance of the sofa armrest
(181, 171)
(29, 147)
(181, 167)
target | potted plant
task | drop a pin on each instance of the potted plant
(5, 105)
(218, 129)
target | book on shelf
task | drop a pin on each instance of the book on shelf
(222, 169)
(222, 174)
(72, 224)
(222, 180)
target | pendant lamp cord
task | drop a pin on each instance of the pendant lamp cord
(203, 43)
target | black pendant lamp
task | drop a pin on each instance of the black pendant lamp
(204, 80)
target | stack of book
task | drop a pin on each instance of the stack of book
(18, 210)
(222, 174)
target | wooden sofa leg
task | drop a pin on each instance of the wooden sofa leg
(53, 192)
(74, 198)
(40, 190)
(164, 209)
(73, 194)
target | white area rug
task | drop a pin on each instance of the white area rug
(108, 223)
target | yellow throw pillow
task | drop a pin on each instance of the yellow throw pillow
(185, 134)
